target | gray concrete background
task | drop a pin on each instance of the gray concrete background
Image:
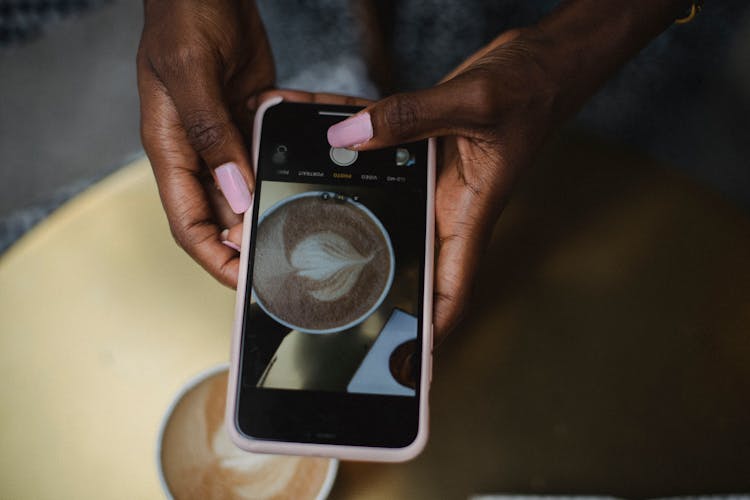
(69, 107)
(68, 111)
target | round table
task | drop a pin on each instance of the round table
(606, 350)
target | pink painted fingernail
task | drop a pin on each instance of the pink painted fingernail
(354, 130)
(231, 245)
(234, 187)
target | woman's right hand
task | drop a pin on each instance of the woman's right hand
(198, 63)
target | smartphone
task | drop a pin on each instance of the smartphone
(332, 346)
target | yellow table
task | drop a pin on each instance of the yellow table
(607, 349)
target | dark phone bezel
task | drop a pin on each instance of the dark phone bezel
(322, 417)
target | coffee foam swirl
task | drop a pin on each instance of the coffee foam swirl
(255, 475)
(330, 260)
(199, 461)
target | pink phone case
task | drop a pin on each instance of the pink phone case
(326, 450)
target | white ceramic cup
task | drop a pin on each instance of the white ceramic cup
(193, 383)
(366, 211)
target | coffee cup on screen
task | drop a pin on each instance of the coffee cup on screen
(196, 459)
(323, 262)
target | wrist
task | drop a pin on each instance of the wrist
(582, 43)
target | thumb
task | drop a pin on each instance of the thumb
(398, 119)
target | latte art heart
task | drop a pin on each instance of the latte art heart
(331, 261)
(321, 265)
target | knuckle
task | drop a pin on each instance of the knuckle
(531, 87)
(178, 61)
(484, 100)
(512, 34)
(189, 234)
(178, 234)
(226, 274)
(205, 132)
(510, 81)
(183, 228)
(449, 309)
(446, 299)
(401, 115)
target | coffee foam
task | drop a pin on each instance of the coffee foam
(320, 264)
(200, 462)
(331, 262)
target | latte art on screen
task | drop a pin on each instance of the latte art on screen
(331, 261)
(321, 264)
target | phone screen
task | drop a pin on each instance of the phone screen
(333, 313)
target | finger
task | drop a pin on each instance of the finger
(402, 118)
(457, 263)
(232, 237)
(224, 215)
(196, 90)
(178, 175)
(464, 224)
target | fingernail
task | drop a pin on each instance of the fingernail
(224, 234)
(234, 187)
(231, 245)
(354, 130)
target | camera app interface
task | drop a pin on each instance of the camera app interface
(335, 270)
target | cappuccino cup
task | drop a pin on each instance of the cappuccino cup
(323, 262)
(196, 459)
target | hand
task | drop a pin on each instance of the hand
(233, 236)
(493, 113)
(198, 62)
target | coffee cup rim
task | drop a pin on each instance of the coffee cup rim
(193, 382)
(386, 288)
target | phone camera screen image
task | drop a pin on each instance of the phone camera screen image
(335, 285)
